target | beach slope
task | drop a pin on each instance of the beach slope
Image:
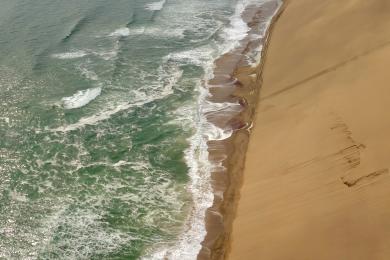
(316, 180)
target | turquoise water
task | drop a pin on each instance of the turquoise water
(99, 125)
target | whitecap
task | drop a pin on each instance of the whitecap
(198, 57)
(155, 6)
(89, 74)
(121, 32)
(81, 98)
(150, 31)
(6, 119)
(70, 55)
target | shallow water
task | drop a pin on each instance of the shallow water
(103, 149)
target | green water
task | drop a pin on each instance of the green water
(97, 101)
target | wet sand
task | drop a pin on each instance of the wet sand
(316, 181)
(236, 80)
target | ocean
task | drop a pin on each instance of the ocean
(103, 134)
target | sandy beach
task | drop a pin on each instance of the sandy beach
(316, 181)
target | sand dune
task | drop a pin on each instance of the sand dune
(316, 179)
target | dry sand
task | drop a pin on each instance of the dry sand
(316, 180)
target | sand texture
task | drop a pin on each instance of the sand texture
(316, 179)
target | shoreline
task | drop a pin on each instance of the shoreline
(235, 80)
(317, 175)
(227, 99)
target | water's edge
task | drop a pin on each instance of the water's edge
(247, 81)
(226, 103)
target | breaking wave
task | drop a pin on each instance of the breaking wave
(81, 98)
